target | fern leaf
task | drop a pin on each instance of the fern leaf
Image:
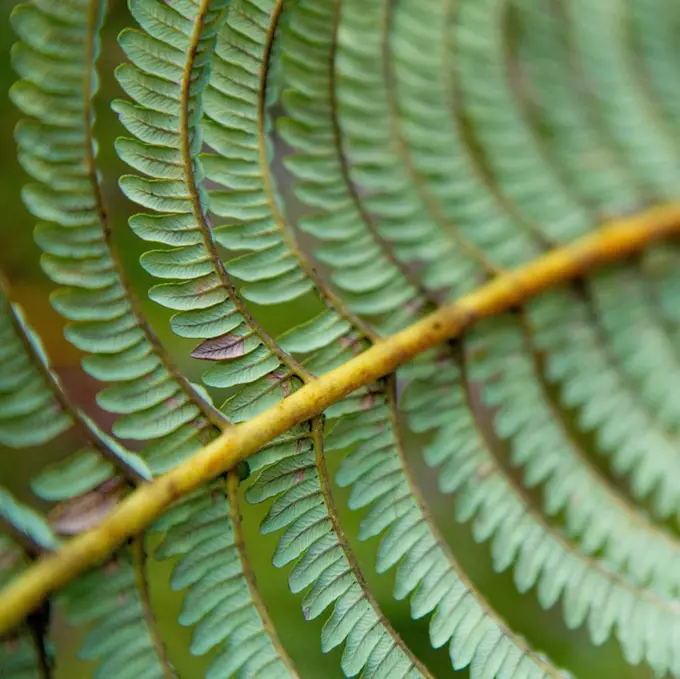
(113, 603)
(324, 564)
(34, 408)
(611, 185)
(243, 352)
(26, 524)
(652, 24)
(590, 592)
(371, 245)
(489, 114)
(646, 138)
(645, 453)
(223, 602)
(427, 571)
(24, 396)
(433, 147)
(552, 98)
(376, 154)
(481, 62)
(451, 176)
(148, 394)
(305, 501)
(594, 512)
(23, 653)
(246, 29)
(209, 308)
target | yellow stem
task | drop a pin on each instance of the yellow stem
(149, 501)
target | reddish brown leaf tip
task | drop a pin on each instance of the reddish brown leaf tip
(220, 348)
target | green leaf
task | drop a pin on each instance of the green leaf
(221, 602)
(105, 321)
(21, 653)
(26, 523)
(112, 602)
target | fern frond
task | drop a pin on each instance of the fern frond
(433, 147)
(375, 156)
(497, 126)
(26, 524)
(148, 502)
(370, 242)
(34, 407)
(625, 431)
(630, 117)
(652, 26)
(23, 652)
(25, 397)
(595, 514)
(209, 308)
(152, 400)
(113, 603)
(376, 471)
(609, 187)
(223, 601)
(520, 165)
(324, 565)
(554, 99)
(590, 591)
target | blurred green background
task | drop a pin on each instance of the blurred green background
(19, 261)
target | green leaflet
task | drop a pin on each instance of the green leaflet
(646, 453)
(371, 283)
(21, 654)
(376, 472)
(200, 290)
(590, 592)
(448, 172)
(597, 347)
(652, 24)
(222, 601)
(580, 369)
(34, 408)
(433, 145)
(77, 251)
(652, 149)
(208, 310)
(323, 565)
(356, 264)
(113, 602)
(620, 297)
(81, 473)
(24, 395)
(86, 473)
(594, 511)
(327, 339)
(612, 300)
(485, 92)
(553, 100)
(26, 523)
